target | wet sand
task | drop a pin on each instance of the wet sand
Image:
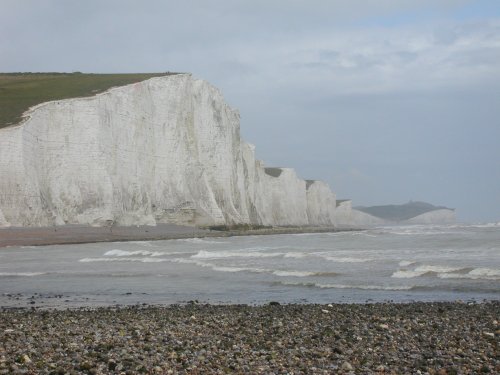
(417, 338)
(73, 234)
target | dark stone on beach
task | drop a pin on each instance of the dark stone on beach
(274, 303)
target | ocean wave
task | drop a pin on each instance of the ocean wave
(293, 273)
(143, 243)
(438, 269)
(199, 241)
(363, 234)
(124, 253)
(474, 274)
(285, 273)
(22, 274)
(237, 269)
(345, 286)
(414, 230)
(476, 225)
(406, 263)
(426, 270)
(280, 273)
(203, 254)
(123, 259)
(345, 259)
(296, 254)
(219, 268)
(407, 274)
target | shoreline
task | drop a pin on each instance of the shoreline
(81, 234)
(383, 338)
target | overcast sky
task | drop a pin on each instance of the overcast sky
(386, 100)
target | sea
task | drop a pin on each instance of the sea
(386, 264)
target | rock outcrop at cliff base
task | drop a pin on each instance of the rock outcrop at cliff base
(165, 150)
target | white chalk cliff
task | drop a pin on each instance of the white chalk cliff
(442, 216)
(165, 150)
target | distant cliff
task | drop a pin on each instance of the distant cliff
(409, 213)
(164, 150)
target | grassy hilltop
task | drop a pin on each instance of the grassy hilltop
(20, 91)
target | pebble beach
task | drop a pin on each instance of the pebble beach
(382, 338)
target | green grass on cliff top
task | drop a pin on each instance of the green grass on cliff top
(20, 91)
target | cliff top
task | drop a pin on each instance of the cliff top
(20, 91)
(399, 212)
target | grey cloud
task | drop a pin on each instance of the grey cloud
(319, 86)
(328, 55)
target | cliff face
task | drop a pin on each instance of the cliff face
(442, 216)
(363, 219)
(165, 150)
(403, 214)
(321, 204)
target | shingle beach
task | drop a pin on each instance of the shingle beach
(384, 338)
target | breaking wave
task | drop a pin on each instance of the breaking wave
(123, 259)
(425, 270)
(475, 274)
(202, 254)
(346, 259)
(443, 272)
(280, 273)
(124, 253)
(344, 286)
(22, 274)
(406, 263)
(199, 241)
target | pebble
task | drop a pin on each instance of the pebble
(346, 366)
(425, 338)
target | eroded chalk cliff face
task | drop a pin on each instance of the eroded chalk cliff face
(321, 203)
(442, 216)
(165, 150)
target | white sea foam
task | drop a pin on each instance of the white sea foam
(437, 269)
(124, 253)
(297, 255)
(346, 259)
(220, 268)
(294, 273)
(475, 274)
(237, 269)
(422, 270)
(407, 274)
(482, 225)
(143, 243)
(485, 272)
(199, 241)
(123, 259)
(216, 267)
(406, 263)
(21, 274)
(346, 286)
(203, 254)
(417, 230)
(363, 234)
(191, 240)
